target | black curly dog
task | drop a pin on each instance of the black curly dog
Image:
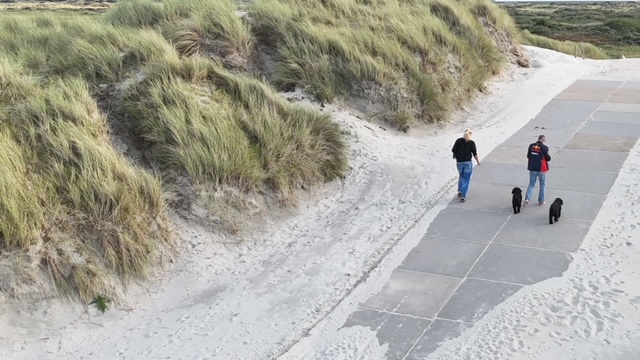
(554, 210)
(516, 201)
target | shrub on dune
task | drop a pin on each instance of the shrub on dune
(223, 128)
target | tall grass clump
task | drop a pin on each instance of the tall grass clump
(567, 47)
(216, 126)
(97, 52)
(137, 13)
(227, 129)
(71, 202)
(416, 58)
(193, 27)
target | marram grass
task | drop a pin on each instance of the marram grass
(79, 216)
(421, 58)
(72, 202)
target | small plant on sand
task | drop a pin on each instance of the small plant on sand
(102, 303)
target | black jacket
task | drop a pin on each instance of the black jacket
(463, 150)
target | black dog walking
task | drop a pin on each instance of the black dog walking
(516, 201)
(554, 210)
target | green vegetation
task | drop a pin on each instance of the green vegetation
(102, 303)
(419, 58)
(67, 194)
(78, 208)
(568, 47)
(186, 87)
(613, 27)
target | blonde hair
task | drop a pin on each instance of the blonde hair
(467, 134)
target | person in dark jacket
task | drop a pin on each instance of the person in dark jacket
(463, 149)
(538, 155)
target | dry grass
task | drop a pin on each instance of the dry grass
(90, 215)
(60, 8)
(74, 208)
(568, 47)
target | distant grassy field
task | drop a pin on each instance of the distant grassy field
(613, 27)
(61, 8)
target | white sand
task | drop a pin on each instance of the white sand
(287, 290)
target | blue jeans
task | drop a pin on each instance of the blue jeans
(465, 169)
(533, 176)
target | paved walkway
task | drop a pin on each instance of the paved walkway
(477, 254)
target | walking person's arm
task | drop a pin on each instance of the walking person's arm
(475, 152)
(455, 147)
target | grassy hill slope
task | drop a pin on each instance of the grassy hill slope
(107, 120)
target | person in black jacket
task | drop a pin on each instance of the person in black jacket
(538, 165)
(462, 150)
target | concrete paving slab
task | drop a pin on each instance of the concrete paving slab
(579, 95)
(590, 159)
(629, 91)
(617, 107)
(616, 117)
(514, 153)
(601, 142)
(413, 293)
(623, 98)
(519, 265)
(535, 231)
(501, 174)
(489, 197)
(576, 179)
(443, 256)
(440, 331)
(474, 298)
(592, 88)
(557, 135)
(525, 135)
(508, 154)
(567, 110)
(602, 85)
(400, 332)
(467, 224)
(610, 129)
(635, 84)
(577, 205)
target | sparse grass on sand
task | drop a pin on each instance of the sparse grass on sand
(78, 215)
(567, 47)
